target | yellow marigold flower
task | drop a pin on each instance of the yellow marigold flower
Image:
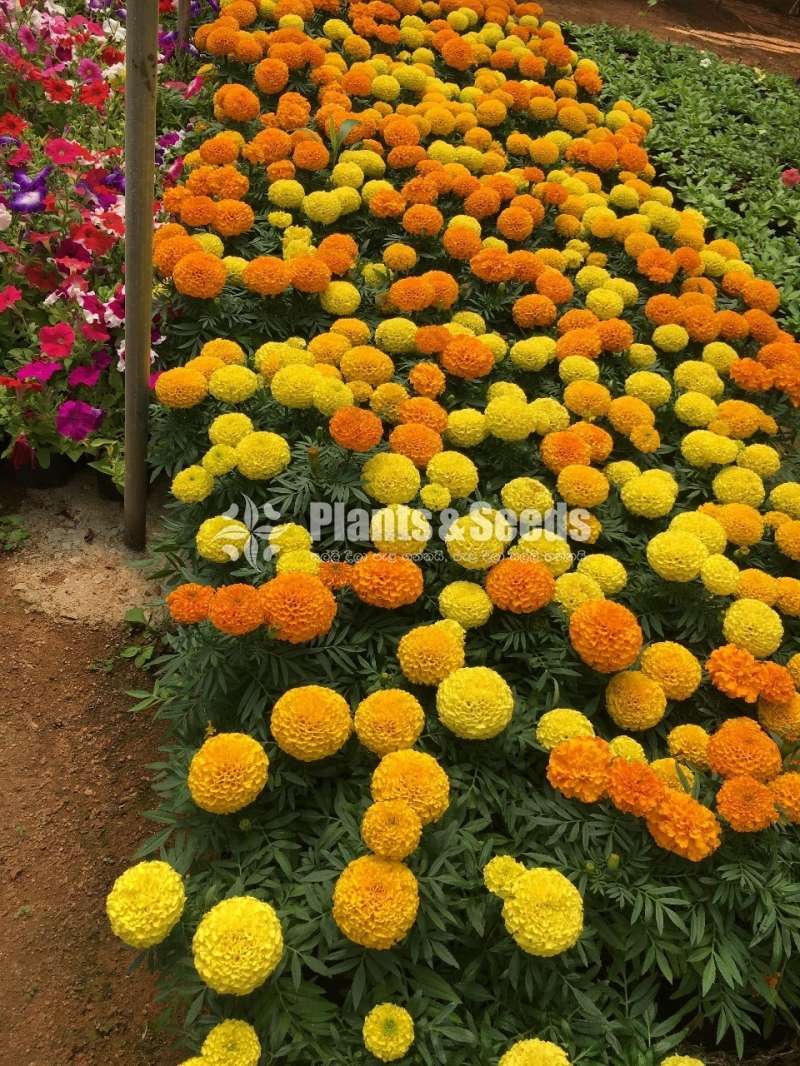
(231, 1043)
(233, 384)
(415, 777)
(294, 385)
(145, 903)
(227, 773)
(544, 913)
(427, 654)
(704, 527)
(674, 667)
(389, 720)
(435, 497)
(289, 537)
(739, 485)
(237, 945)
(560, 724)
(674, 774)
(786, 498)
(227, 351)
(221, 539)
(455, 471)
(541, 546)
(720, 575)
(229, 428)
(262, 455)
(534, 1053)
(390, 478)
(192, 485)
(608, 572)
(689, 744)
(500, 874)
(399, 530)
(388, 1029)
(466, 603)
(340, 298)
(751, 625)
(526, 494)
(477, 540)
(635, 701)
(676, 556)
(375, 902)
(220, 459)
(475, 703)
(574, 589)
(310, 722)
(682, 1060)
(624, 747)
(650, 495)
(391, 828)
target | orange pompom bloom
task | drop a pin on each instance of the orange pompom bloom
(336, 575)
(685, 827)
(423, 220)
(271, 75)
(355, 429)
(746, 804)
(297, 607)
(189, 604)
(424, 412)
(634, 788)
(740, 746)
(581, 768)
(199, 275)
(309, 273)
(236, 610)
(467, 357)
(786, 790)
(605, 635)
(417, 442)
(735, 673)
(267, 275)
(388, 581)
(777, 685)
(426, 379)
(339, 251)
(529, 311)
(520, 585)
(460, 242)
(564, 448)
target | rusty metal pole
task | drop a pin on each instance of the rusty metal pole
(184, 21)
(141, 81)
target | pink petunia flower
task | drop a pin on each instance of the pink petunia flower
(56, 341)
(791, 177)
(9, 296)
(63, 152)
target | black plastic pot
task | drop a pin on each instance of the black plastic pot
(106, 488)
(33, 476)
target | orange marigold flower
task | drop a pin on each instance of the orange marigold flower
(423, 220)
(388, 581)
(232, 217)
(425, 412)
(781, 718)
(467, 357)
(356, 429)
(564, 448)
(580, 768)
(520, 585)
(297, 607)
(616, 335)
(657, 265)
(168, 253)
(271, 75)
(492, 264)
(735, 673)
(200, 275)
(267, 275)
(417, 442)
(534, 310)
(685, 827)
(777, 687)
(339, 251)
(740, 746)
(426, 379)
(336, 575)
(747, 805)
(411, 294)
(237, 102)
(189, 604)
(309, 273)
(236, 610)
(634, 788)
(786, 790)
(605, 635)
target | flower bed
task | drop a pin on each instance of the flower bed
(482, 566)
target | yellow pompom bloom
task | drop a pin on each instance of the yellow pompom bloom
(500, 875)
(220, 459)
(674, 774)
(375, 902)
(399, 530)
(340, 298)
(624, 747)
(689, 744)
(145, 904)
(227, 773)
(523, 494)
(390, 478)
(294, 385)
(192, 485)
(388, 1031)
(534, 1053)
(650, 495)
(544, 913)
(232, 384)
(466, 603)
(310, 722)
(289, 537)
(621, 471)
(786, 498)
(221, 539)
(560, 724)
(739, 485)
(682, 1060)
(674, 667)
(704, 527)
(237, 945)
(541, 546)
(227, 351)
(676, 556)
(435, 497)
(389, 720)
(608, 572)
(262, 455)
(229, 429)
(574, 589)
(466, 428)
(477, 540)
(415, 777)
(231, 1043)
(475, 703)
(751, 625)
(652, 388)
(720, 575)
(391, 829)
(427, 654)
(181, 387)
(455, 471)
(635, 701)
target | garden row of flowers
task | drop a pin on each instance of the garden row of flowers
(62, 306)
(482, 567)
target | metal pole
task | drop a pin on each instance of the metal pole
(141, 74)
(184, 21)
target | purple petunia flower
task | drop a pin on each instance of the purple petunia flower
(76, 419)
(39, 370)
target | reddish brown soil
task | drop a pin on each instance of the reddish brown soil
(758, 34)
(72, 764)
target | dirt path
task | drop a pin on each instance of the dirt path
(735, 29)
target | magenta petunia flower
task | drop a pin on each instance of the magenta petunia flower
(76, 419)
(56, 341)
(9, 296)
(39, 370)
(83, 375)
